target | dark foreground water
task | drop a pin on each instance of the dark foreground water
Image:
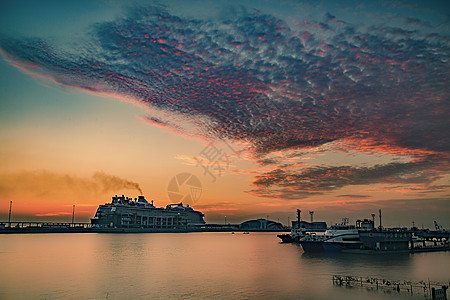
(193, 266)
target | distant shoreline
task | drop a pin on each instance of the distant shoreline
(30, 230)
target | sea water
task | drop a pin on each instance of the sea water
(195, 266)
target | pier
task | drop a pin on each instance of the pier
(429, 289)
(43, 227)
(259, 225)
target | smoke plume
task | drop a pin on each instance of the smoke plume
(111, 183)
(45, 184)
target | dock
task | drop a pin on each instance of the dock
(80, 227)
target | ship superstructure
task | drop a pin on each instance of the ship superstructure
(124, 212)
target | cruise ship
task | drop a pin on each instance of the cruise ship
(138, 213)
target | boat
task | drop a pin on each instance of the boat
(335, 239)
(139, 214)
(362, 238)
(302, 230)
(296, 235)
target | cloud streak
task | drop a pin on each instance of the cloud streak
(289, 182)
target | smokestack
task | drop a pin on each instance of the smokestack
(311, 214)
(381, 226)
(73, 213)
(298, 218)
(373, 220)
(9, 217)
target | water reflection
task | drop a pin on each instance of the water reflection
(197, 266)
(352, 261)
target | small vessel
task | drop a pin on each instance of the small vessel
(302, 230)
(296, 235)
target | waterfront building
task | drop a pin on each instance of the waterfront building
(262, 225)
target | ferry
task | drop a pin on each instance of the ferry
(335, 239)
(362, 238)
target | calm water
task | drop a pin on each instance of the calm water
(193, 266)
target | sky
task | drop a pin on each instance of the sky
(254, 108)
